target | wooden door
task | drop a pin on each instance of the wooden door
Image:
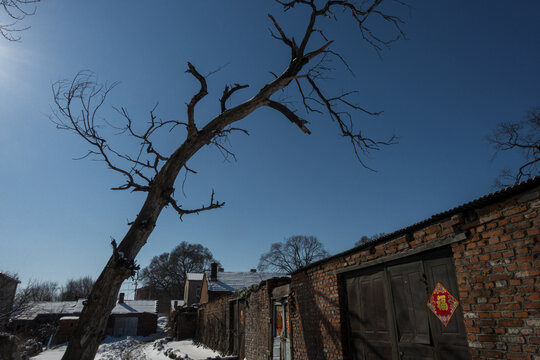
(409, 298)
(369, 322)
(238, 327)
(388, 314)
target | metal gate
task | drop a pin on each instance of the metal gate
(388, 316)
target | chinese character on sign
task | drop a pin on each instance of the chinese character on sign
(442, 303)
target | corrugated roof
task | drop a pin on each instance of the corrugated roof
(232, 281)
(474, 204)
(195, 276)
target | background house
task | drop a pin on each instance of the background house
(8, 287)
(217, 283)
(192, 289)
(129, 317)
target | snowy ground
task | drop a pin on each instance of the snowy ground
(154, 347)
(133, 349)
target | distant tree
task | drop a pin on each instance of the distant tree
(14, 12)
(37, 291)
(296, 252)
(365, 239)
(522, 137)
(167, 272)
(152, 170)
(76, 289)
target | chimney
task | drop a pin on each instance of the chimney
(121, 298)
(253, 270)
(213, 271)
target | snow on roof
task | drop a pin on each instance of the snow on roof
(232, 281)
(195, 276)
(69, 318)
(54, 307)
(136, 306)
(76, 307)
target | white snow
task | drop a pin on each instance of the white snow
(183, 349)
(153, 347)
(114, 348)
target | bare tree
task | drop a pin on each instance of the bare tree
(295, 253)
(523, 137)
(154, 172)
(167, 272)
(16, 11)
(76, 289)
(37, 291)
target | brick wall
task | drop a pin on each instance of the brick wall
(213, 324)
(497, 269)
(258, 323)
(498, 275)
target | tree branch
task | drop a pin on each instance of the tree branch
(192, 128)
(182, 212)
(227, 92)
(289, 114)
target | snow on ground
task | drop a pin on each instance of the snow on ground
(134, 349)
(183, 349)
(153, 347)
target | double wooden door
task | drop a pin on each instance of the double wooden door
(388, 315)
(238, 311)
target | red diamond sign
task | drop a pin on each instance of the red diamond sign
(442, 303)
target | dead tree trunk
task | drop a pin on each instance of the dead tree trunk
(157, 177)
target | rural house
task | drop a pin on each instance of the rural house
(129, 317)
(217, 283)
(251, 323)
(462, 284)
(192, 288)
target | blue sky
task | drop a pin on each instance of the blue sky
(465, 67)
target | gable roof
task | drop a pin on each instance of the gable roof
(76, 307)
(232, 281)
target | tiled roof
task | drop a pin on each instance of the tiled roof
(195, 276)
(475, 204)
(232, 281)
